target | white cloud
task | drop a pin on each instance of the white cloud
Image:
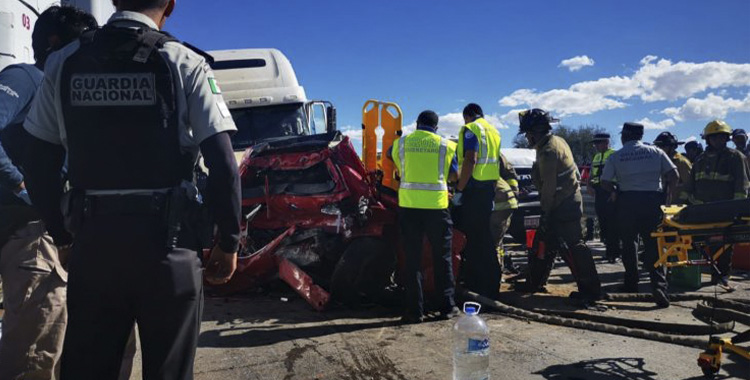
(655, 80)
(649, 124)
(648, 59)
(450, 124)
(577, 63)
(711, 107)
(561, 102)
(665, 80)
(355, 134)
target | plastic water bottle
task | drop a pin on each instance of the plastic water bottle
(471, 345)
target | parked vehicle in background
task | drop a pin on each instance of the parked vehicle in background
(17, 19)
(265, 99)
(528, 198)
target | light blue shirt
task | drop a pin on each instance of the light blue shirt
(18, 85)
(637, 167)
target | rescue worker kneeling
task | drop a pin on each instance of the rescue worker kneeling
(425, 162)
(556, 176)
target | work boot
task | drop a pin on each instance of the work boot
(524, 287)
(411, 319)
(450, 314)
(661, 298)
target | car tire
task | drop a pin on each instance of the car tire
(364, 270)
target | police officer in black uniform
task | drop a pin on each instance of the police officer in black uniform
(132, 107)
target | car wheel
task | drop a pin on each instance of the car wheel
(364, 270)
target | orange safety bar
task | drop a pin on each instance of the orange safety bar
(388, 116)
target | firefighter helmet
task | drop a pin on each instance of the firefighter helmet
(716, 127)
(666, 139)
(534, 120)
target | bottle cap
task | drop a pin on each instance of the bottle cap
(472, 308)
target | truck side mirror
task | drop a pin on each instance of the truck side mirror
(330, 118)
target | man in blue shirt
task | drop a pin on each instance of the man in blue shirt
(479, 159)
(18, 84)
(34, 279)
(645, 178)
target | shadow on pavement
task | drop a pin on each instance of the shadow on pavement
(256, 337)
(601, 369)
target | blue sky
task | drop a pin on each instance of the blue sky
(673, 65)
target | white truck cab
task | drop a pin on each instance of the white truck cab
(261, 91)
(17, 19)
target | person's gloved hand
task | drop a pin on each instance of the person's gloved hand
(457, 199)
(24, 196)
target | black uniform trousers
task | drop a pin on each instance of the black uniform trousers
(563, 235)
(121, 274)
(606, 212)
(437, 226)
(482, 269)
(639, 213)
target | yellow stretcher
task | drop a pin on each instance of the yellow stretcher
(675, 239)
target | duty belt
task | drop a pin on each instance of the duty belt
(98, 205)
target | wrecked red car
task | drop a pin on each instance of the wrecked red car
(316, 219)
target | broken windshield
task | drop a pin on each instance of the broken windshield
(260, 123)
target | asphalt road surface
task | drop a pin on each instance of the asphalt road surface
(274, 334)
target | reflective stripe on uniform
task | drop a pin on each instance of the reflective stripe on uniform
(714, 177)
(423, 186)
(483, 147)
(402, 156)
(567, 172)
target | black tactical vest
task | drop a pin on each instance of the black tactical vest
(119, 108)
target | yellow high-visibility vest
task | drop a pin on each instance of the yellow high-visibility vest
(423, 160)
(488, 156)
(597, 165)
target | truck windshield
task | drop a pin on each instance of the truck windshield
(260, 123)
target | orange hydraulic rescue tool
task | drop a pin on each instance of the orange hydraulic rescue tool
(387, 116)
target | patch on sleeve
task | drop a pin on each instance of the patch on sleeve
(468, 134)
(214, 86)
(223, 109)
(8, 91)
(121, 89)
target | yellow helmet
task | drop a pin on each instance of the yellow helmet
(715, 127)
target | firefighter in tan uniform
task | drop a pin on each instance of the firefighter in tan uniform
(719, 174)
(667, 142)
(556, 176)
(505, 204)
